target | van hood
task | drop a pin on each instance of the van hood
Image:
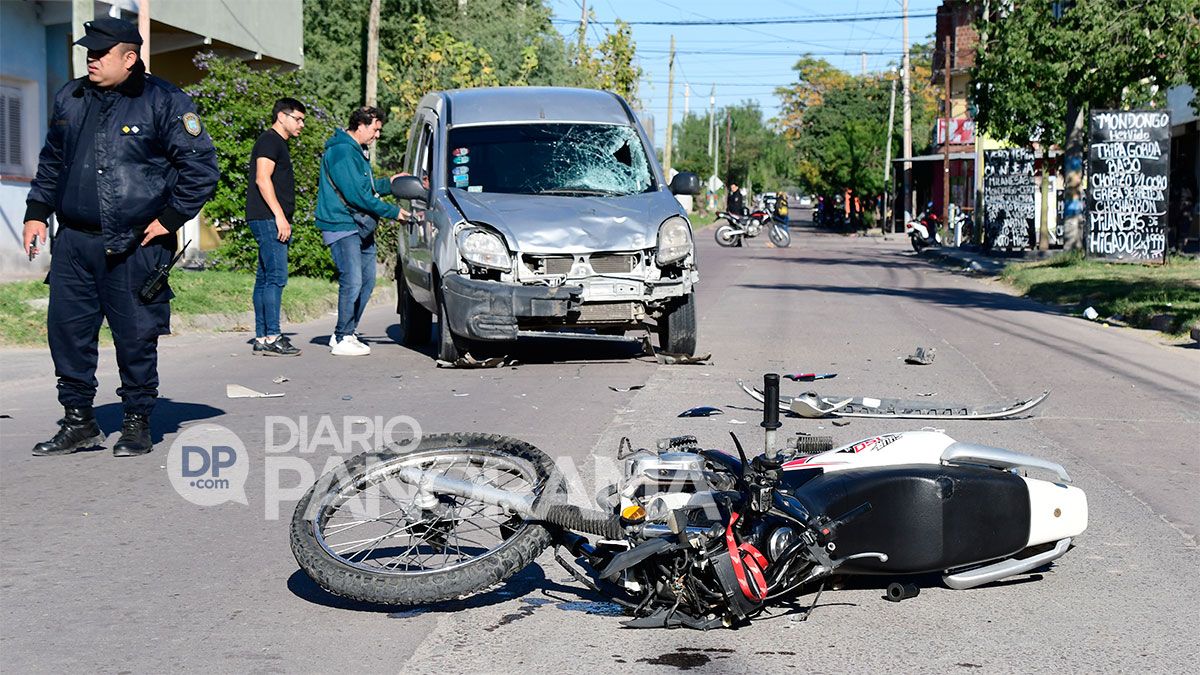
(560, 224)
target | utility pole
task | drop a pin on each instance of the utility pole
(144, 30)
(370, 96)
(687, 95)
(909, 204)
(670, 109)
(712, 140)
(946, 144)
(864, 63)
(372, 84)
(583, 22)
(887, 161)
(728, 141)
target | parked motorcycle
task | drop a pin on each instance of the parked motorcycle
(732, 229)
(923, 231)
(688, 536)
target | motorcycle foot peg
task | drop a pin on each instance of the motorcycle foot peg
(897, 591)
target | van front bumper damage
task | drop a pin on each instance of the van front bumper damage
(491, 310)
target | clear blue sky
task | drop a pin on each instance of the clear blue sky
(702, 52)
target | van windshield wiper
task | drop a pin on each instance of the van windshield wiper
(587, 192)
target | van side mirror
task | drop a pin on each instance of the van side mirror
(408, 187)
(685, 183)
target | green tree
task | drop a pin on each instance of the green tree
(1096, 53)
(235, 103)
(758, 154)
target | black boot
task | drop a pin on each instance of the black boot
(77, 429)
(135, 436)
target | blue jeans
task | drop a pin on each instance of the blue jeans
(355, 261)
(270, 277)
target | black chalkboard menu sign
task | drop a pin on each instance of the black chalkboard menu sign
(1008, 198)
(1128, 169)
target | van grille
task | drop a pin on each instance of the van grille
(613, 263)
(603, 312)
(602, 263)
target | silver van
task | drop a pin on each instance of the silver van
(535, 210)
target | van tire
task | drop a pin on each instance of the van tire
(415, 320)
(450, 346)
(677, 327)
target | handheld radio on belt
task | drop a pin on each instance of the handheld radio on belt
(157, 280)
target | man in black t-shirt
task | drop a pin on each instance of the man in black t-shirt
(270, 203)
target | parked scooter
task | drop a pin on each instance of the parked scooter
(923, 231)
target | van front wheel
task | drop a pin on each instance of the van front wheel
(677, 327)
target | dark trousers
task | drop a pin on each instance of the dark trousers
(88, 286)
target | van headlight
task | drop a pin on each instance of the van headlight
(674, 241)
(486, 249)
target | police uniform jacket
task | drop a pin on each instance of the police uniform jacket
(153, 158)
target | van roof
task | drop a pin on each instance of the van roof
(492, 105)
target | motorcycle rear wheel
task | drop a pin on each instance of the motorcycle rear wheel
(724, 233)
(403, 553)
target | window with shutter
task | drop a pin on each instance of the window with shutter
(11, 125)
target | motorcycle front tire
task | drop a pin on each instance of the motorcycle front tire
(723, 233)
(521, 545)
(780, 236)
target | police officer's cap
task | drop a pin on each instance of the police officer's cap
(103, 33)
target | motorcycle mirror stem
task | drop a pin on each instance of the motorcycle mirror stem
(770, 413)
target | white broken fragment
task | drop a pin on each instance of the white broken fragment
(280, 380)
(238, 391)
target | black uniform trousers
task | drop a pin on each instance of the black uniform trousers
(86, 286)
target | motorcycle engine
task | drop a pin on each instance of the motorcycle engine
(753, 227)
(664, 480)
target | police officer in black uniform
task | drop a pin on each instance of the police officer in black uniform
(126, 163)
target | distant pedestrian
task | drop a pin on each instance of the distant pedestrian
(270, 204)
(735, 202)
(348, 210)
(125, 164)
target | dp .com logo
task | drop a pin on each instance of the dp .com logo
(208, 465)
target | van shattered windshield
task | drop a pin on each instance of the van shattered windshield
(549, 159)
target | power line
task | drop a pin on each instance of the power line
(735, 52)
(777, 21)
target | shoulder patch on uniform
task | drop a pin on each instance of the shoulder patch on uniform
(191, 123)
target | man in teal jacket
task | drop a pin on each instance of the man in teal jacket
(347, 184)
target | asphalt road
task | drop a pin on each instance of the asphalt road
(104, 567)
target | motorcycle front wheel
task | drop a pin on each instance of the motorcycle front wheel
(363, 533)
(725, 233)
(780, 236)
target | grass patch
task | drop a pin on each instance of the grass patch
(23, 312)
(23, 303)
(216, 292)
(1131, 291)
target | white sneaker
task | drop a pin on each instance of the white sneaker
(350, 347)
(358, 342)
(332, 340)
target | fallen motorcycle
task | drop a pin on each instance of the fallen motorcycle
(689, 536)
